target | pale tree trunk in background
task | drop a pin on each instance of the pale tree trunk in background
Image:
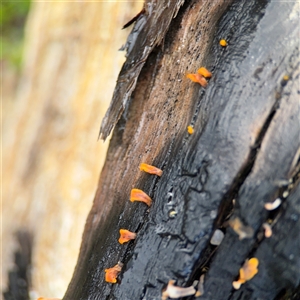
(51, 156)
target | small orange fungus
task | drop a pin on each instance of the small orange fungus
(150, 169)
(139, 195)
(204, 72)
(190, 129)
(126, 236)
(223, 43)
(242, 230)
(111, 274)
(247, 272)
(197, 78)
(286, 77)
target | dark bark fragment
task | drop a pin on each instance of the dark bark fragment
(148, 32)
(245, 142)
(19, 279)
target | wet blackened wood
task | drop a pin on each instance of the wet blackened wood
(274, 166)
(244, 146)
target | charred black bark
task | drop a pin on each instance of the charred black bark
(244, 153)
(19, 279)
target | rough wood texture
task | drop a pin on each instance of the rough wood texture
(246, 143)
(51, 156)
(149, 30)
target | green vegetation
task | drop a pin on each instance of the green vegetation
(12, 20)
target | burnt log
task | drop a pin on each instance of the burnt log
(244, 153)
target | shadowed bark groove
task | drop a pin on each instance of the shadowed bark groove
(245, 147)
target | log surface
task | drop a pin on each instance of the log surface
(244, 153)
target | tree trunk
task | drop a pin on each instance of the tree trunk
(51, 157)
(244, 153)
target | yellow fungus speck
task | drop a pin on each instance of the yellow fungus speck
(190, 129)
(172, 214)
(223, 43)
(286, 77)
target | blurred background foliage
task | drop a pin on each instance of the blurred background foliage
(12, 19)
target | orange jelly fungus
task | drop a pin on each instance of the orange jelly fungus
(247, 272)
(204, 72)
(223, 43)
(111, 274)
(139, 195)
(190, 129)
(150, 169)
(126, 236)
(197, 78)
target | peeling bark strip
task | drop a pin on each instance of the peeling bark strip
(246, 142)
(148, 32)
